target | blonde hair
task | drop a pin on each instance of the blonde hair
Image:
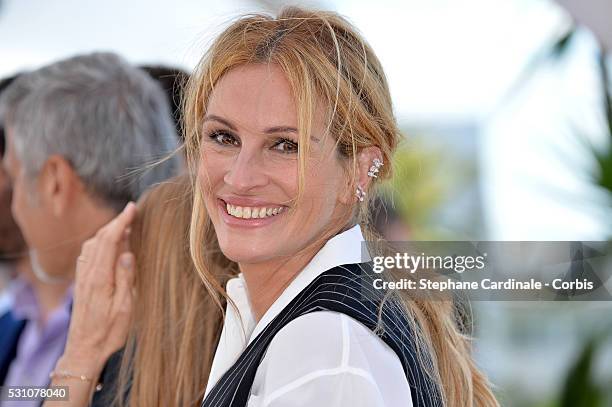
(176, 325)
(327, 63)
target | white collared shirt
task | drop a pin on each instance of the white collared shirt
(323, 358)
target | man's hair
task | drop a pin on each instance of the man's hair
(172, 80)
(4, 83)
(108, 119)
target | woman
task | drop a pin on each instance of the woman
(289, 126)
(168, 331)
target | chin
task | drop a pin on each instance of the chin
(240, 254)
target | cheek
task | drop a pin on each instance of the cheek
(210, 171)
(323, 190)
(286, 178)
(328, 185)
(18, 202)
(21, 206)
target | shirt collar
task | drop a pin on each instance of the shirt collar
(25, 305)
(344, 248)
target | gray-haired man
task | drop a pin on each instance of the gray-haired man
(81, 135)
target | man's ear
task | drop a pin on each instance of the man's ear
(366, 170)
(57, 184)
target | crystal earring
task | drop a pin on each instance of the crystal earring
(375, 168)
(360, 193)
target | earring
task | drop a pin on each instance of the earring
(360, 193)
(375, 168)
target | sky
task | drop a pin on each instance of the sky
(434, 52)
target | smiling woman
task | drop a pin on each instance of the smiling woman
(249, 153)
(289, 125)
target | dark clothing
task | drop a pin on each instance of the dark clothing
(349, 290)
(10, 329)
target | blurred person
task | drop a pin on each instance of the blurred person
(29, 302)
(172, 80)
(77, 134)
(13, 261)
(174, 325)
(11, 241)
(289, 126)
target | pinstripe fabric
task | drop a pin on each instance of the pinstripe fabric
(346, 289)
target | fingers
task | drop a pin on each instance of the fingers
(124, 274)
(124, 280)
(121, 308)
(104, 285)
(121, 221)
(108, 240)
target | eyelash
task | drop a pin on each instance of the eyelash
(216, 135)
(292, 143)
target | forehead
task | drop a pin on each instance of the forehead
(254, 95)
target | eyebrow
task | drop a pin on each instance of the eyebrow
(269, 130)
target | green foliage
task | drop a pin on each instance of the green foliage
(423, 180)
(604, 157)
(603, 174)
(581, 389)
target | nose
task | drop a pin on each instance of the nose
(246, 172)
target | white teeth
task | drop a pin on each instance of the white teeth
(247, 212)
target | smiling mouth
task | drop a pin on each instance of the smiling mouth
(252, 212)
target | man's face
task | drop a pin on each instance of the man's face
(32, 213)
(12, 245)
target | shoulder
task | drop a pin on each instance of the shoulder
(309, 342)
(326, 348)
(327, 337)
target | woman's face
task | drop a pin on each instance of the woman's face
(249, 168)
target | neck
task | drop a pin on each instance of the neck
(86, 218)
(48, 296)
(266, 281)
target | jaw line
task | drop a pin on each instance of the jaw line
(41, 274)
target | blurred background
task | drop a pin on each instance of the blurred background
(506, 109)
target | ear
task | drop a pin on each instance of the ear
(57, 184)
(365, 171)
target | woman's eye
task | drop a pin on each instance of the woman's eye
(286, 146)
(224, 138)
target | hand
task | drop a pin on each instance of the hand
(102, 304)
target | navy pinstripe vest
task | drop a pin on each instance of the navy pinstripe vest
(346, 289)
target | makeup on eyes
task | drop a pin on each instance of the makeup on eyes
(226, 137)
(216, 136)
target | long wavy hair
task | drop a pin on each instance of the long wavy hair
(176, 324)
(328, 63)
